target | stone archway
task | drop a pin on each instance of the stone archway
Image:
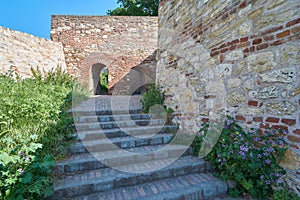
(98, 86)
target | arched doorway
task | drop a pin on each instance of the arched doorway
(99, 79)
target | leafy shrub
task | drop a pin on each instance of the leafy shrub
(247, 158)
(285, 194)
(153, 96)
(154, 99)
(103, 82)
(33, 127)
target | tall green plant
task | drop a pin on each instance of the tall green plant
(151, 97)
(33, 128)
(104, 82)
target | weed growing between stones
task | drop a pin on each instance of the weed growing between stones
(33, 127)
(248, 158)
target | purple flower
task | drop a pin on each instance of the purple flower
(268, 161)
(259, 156)
(266, 153)
(270, 150)
(223, 145)
(244, 148)
(27, 158)
(262, 176)
(242, 153)
(228, 123)
(218, 155)
(267, 182)
(20, 153)
(284, 132)
(278, 181)
(256, 139)
(21, 171)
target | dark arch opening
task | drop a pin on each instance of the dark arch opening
(99, 79)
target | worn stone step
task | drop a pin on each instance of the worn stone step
(109, 179)
(107, 111)
(119, 124)
(105, 144)
(119, 157)
(109, 118)
(135, 131)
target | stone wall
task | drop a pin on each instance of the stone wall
(21, 51)
(239, 55)
(119, 42)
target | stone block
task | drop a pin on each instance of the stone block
(255, 13)
(224, 69)
(234, 55)
(265, 93)
(249, 84)
(261, 62)
(286, 75)
(250, 111)
(281, 108)
(290, 161)
(233, 83)
(289, 54)
(244, 29)
(235, 98)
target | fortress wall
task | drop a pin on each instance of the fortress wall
(21, 51)
(118, 42)
(239, 54)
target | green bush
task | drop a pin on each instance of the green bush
(33, 127)
(285, 194)
(152, 96)
(247, 158)
(104, 83)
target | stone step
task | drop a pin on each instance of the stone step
(123, 132)
(119, 124)
(106, 144)
(109, 118)
(108, 111)
(118, 157)
(108, 179)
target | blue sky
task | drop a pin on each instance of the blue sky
(34, 16)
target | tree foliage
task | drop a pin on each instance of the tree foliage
(136, 8)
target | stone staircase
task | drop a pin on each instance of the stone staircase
(122, 155)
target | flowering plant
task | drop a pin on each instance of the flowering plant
(248, 158)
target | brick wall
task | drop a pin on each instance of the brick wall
(118, 42)
(21, 51)
(242, 55)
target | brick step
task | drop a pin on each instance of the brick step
(106, 144)
(119, 124)
(106, 179)
(123, 132)
(119, 157)
(109, 118)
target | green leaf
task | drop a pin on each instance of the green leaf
(6, 159)
(27, 178)
(49, 190)
(248, 185)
